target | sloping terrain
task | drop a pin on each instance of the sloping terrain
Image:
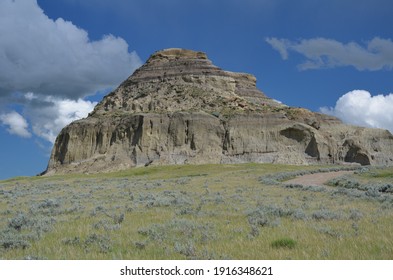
(197, 212)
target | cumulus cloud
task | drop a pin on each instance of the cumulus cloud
(374, 55)
(49, 114)
(16, 124)
(359, 107)
(55, 57)
(48, 68)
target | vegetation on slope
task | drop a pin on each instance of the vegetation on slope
(195, 212)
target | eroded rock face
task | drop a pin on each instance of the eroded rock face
(179, 108)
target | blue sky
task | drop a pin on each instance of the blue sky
(58, 58)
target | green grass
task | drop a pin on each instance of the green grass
(191, 212)
(384, 173)
(284, 243)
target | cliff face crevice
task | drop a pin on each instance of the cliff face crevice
(179, 108)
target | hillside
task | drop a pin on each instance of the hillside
(236, 211)
(178, 108)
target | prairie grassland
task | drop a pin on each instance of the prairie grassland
(197, 212)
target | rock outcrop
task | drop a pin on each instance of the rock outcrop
(178, 108)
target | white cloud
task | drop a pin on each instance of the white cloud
(17, 124)
(55, 57)
(279, 45)
(48, 115)
(359, 107)
(49, 66)
(375, 55)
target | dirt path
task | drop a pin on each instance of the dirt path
(317, 179)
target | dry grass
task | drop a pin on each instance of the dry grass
(192, 212)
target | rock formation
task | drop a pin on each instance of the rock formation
(178, 108)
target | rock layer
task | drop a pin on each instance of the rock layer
(178, 108)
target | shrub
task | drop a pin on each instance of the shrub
(186, 211)
(46, 207)
(103, 242)
(106, 225)
(218, 198)
(49, 203)
(348, 192)
(310, 188)
(10, 239)
(385, 188)
(18, 222)
(254, 231)
(36, 224)
(267, 215)
(330, 232)
(185, 248)
(325, 214)
(41, 224)
(362, 170)
(299, 214)
(345, 182)
(355, 215)
(278, 178)
(258, 218)
(140, 245)
(178, 230)
(14, 243)
(165, 199)
(372, 192)
(293, 186)
(118, 219)
(314, 188)
(72, 241)
(183, 181)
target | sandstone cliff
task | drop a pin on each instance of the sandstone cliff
(178, 108)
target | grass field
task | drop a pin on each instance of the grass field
(197, 212)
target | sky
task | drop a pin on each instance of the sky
(59, 58)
